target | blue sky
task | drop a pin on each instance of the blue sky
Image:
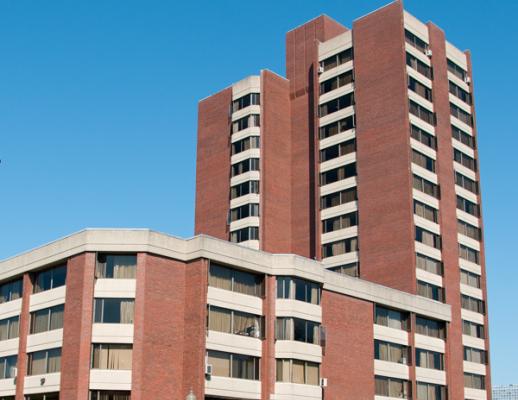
(98, 108)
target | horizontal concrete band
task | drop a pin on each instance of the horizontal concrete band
(201, 246)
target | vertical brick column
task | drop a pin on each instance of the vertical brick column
(170, 307)
(24, 331)
(77, 330)
(349, 371)
(412, 355)
(447, 212)
(268, 349)
(483, 281)
(213, 165)
(275, 226)
(386, 229)
(301, 71)
(195, 322)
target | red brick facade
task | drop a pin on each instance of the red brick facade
(349, 350)
(77, 331)
(213, 165)
(386, 230)
(24, 329)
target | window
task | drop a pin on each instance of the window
(336, 81)
(252, 120)
(338, 150)
(47, 319)
(11, 291)
(116, 266)
(474, 381)
(234, 322)
(414, 41)
(425, 211)
(337, 59)
(299, 330)
(8, 367)
(349, 245)
(43, 396)
(340, 222)
(466, 183)
(114, 311)
(297, 371)
(334, 128)
(430, 291)
(461, 115)
(417, 87)
(472, 304)
(419, 66)
(475, 355)
(468, 206)
(468, 230)
(338, 174)
(430, 327)
(244, 234)
(338, 198)
(245, 101)
(233, 365)
(392, 387)
(423, 161)
(391, 318)
(426, 237)
(109, 395)
(460, 93)
(429, 359)
(472, 329)
(423, 136)
(111, 356)
(428, 264)
(469, 278)
(235, 280)
(44, 362)
(426, 186)
(469, 254)
(352, 269)
(422, 113)
(244, 211)
(250, 164)
(392, 352)
(251, 142)
(9, 328)
(298, 289)
(337, 104)
(456, 70)
(50, 278)
(244, 188)
(463, 137)
(464, 160)
(430, 391)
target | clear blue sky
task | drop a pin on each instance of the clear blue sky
(98, 108)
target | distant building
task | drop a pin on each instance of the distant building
(507, 392)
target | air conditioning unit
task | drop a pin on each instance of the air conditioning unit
(323, 382)
(467, 80)
(208, 369)
(320, 69)
(403, 360)
(428, 52)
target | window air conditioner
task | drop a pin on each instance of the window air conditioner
(467, 80)
(208, 369)
(320, 69)
(428, 52)
(323, 382)
(403, 360)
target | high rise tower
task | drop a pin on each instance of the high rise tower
(365, 158)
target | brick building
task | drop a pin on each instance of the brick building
(364, 157)
(369, 140)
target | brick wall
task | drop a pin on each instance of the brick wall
(386, 229)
